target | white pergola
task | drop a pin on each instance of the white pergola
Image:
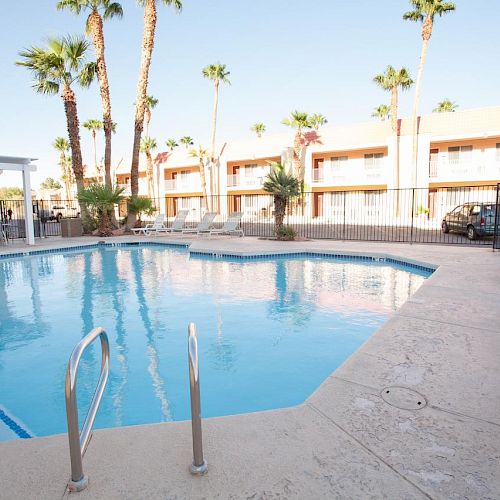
(23, 165)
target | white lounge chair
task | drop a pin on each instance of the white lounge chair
(157, 223)
(204, 226)
(230, 226)
(176, 226)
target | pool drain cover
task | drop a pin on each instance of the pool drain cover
(403, 398)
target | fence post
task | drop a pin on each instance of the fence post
(412, 213)
(496, 229)
(343, 227)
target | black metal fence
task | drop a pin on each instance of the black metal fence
(419, 215)
(46, 216)
(496, 236)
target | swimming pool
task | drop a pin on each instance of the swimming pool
(270, 329)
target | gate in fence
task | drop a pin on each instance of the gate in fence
(496, 236)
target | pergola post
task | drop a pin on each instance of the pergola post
(23, 165)
(28, 207)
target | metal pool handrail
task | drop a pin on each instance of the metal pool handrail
(78, 441)
(199, 465)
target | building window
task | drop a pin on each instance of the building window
(338, 162)
(459, 153)
(250, 170)
(373, 160)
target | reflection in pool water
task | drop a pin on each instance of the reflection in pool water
(270, 331)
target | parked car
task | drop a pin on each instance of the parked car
(473, 219)
(56, 214)
(61, 211)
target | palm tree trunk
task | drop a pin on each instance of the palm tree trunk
(279, 213)
(147, 115)
(95, 150)
(203, 181)
(212, 141)
(73, 125)
(426, 35)
(296, 153)
(149, 174)
(150, 18)
(394, 109)
(95, 24)
(62, 164)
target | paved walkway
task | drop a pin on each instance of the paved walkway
(362, 434)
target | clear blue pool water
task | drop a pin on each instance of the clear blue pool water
(270, 331)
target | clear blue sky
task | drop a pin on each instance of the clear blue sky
(283, 54)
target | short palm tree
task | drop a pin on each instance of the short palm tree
(139, 206)
(93, 126)
(171, 144)
(424, 11)
(445, 106)
(56, 68)
(61, 144)
(383, 112)
(148, 41)
(100, 10)
(201, 154)
(102, 200)
(284, 187)
(151, 103)
(298, 120)
(147, 145)
(258, 128)
(392, 80)
(186, 141)
(317, 120)
(217, 73)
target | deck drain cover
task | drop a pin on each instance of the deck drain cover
(403, 398)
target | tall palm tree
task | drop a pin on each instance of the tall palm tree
(258, 128)
(100, 10)
(201, 154)
(298, 120)
(392, 80)
(61, 144)
(147, 145)
(424, 11)
(382, 111)
(148, 40)
(317, 120)
(186, 141)
(56, 68)
(217, 73)
(93, 126)
(151, 103)
(284, 187)
(171, 144)
(445, 106)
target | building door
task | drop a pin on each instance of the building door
(318, 170)
(318, 205)
(237, 203)
(433, 162)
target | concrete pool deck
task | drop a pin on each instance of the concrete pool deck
(349, 439)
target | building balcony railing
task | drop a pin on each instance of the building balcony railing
(185, 185)
(350, 175)
(126, 187)
(463, 170)
(244, 181)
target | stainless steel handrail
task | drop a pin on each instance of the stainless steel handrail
(78, 441)
(199, 465)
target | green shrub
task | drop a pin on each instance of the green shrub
(286, 233)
